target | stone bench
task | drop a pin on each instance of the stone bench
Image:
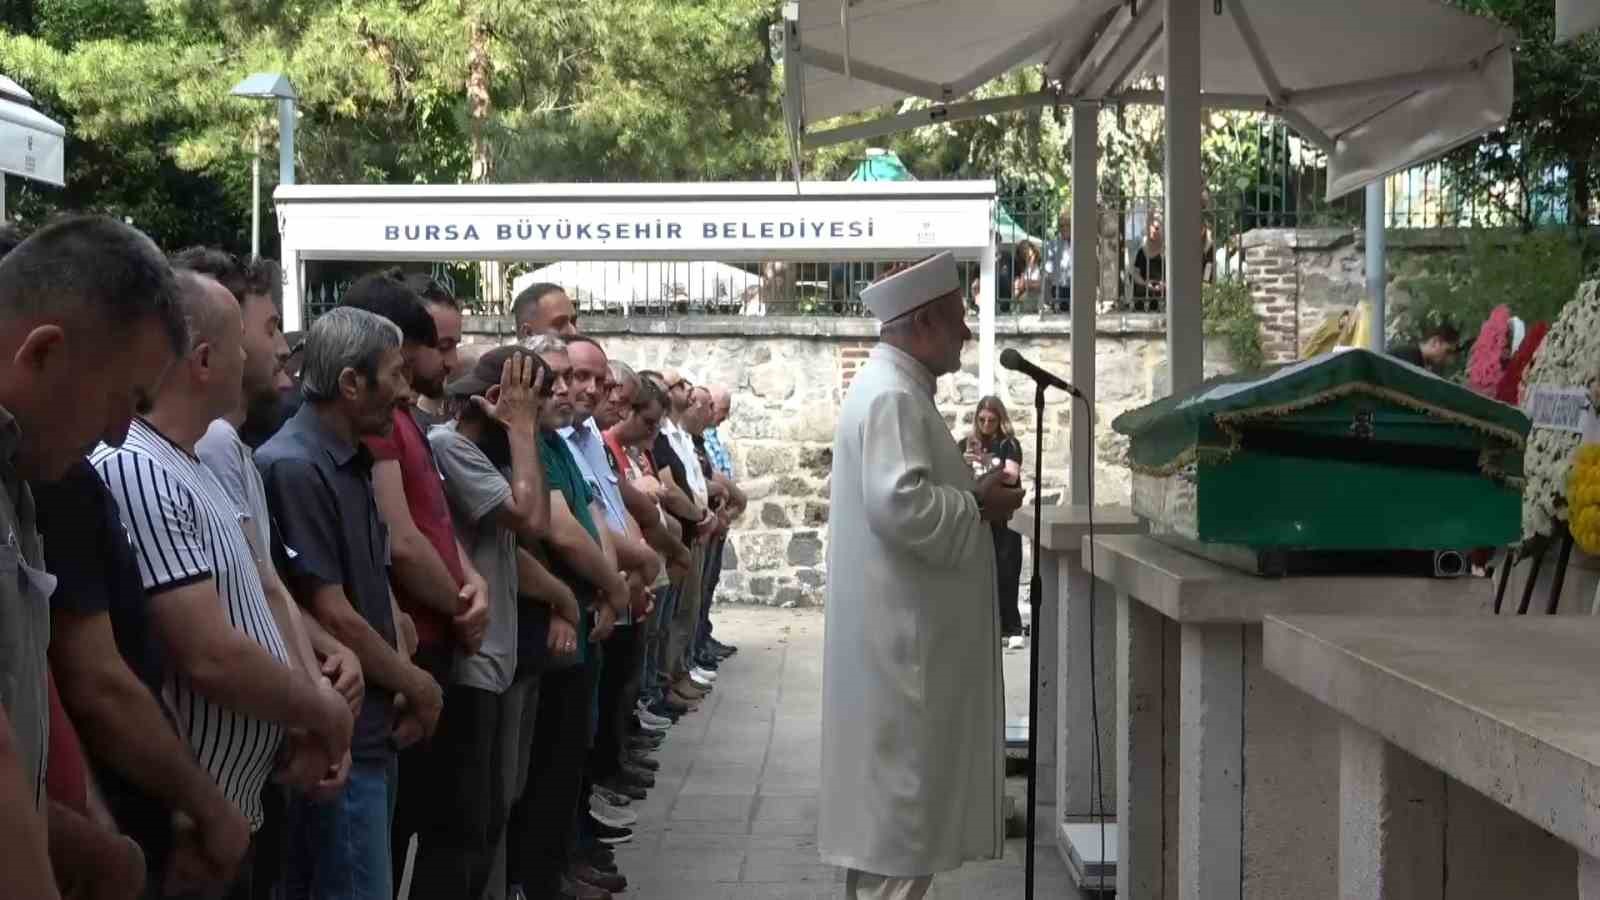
(1469, 750)
(1066, 741)
(1227, 778)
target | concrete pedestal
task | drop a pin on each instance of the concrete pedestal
(1067, 684)
(1494, 721)
(1227, 780)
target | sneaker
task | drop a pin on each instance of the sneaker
(671, 701)
(611, 798)
(709, 661)
(700, 680)
(606, 834)
(652, 722)
(703, 675)
(723, 650)
(606, 814)
(645, 742)
(1016, 642)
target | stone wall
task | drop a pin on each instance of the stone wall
(1300, 277)
(788, 377)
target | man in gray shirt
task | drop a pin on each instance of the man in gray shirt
(496, 489)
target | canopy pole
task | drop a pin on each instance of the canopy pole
(1185, 343)
(986, 295)
(2, 198)
(1377, 250)
(1085, 289)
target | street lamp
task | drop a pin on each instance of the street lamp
(269, 86)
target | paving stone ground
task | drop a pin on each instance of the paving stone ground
(734, 812)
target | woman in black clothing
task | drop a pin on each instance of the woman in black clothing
(993, 445)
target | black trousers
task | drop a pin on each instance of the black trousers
(411, 807)
(460, 805)
(540, 832)
(622, 654)
(1008, 572)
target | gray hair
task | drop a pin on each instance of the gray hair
(344, 338)
(544, 343)
(623, 374)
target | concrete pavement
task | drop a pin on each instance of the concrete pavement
(734, 812)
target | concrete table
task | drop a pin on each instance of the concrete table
(1066, 740)
(1508, 707)
(1227, 778)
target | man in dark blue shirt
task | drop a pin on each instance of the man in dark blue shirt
(335, 551)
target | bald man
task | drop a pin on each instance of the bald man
(238, 689)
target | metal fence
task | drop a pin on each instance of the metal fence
(1281, 183)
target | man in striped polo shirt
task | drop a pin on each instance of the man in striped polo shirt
(232, 686)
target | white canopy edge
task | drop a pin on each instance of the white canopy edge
(1369, 128)
(32, 144)
(1575, 17)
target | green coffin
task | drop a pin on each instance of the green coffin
(1348, 451)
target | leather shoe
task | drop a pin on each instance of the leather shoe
(688, 688)
(606, 881)
(576, 890)
(626, 787)
(639, 776)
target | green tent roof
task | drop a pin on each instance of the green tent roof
(885, 165)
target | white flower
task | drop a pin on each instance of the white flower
(1569, 357)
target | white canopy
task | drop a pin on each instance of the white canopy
(601, 286)
(1574, 17)
(31, 144)
(1379, 84)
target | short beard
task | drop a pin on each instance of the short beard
(265, 412)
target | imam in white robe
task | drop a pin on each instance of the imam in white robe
(912, 704)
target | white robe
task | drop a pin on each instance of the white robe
(912, 706)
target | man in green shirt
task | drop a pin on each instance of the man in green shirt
(581, 556)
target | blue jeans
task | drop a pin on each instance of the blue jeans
(339, 850)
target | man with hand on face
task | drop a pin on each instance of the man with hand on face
(237, 671)
(912, 721)
(495, 483)
(318, 476)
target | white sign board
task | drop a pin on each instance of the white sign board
(31, 144)
(1559, 408)
(760, 226)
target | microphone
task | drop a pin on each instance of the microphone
(1016, 362)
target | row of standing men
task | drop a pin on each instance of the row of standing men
(279, 615)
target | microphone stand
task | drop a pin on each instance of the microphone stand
(1034, 597)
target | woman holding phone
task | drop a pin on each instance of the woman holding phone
(993, 445)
